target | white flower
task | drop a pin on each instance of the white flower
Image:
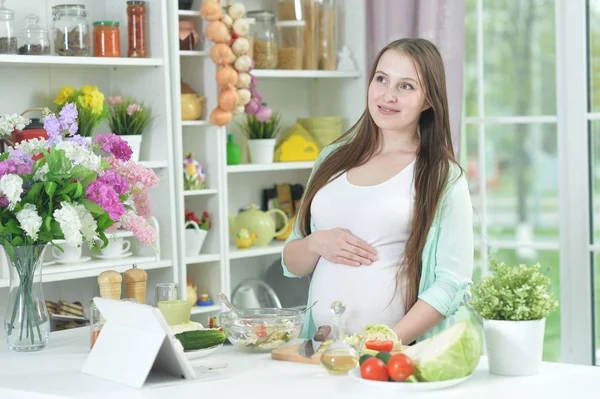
(8, 123)
(67, 217)
(32, 147)
(80, 155)
(11, 185)
(30, 221)
(40, 174)
(88, 223)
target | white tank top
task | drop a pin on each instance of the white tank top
(380, 215)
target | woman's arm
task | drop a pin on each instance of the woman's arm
(299, 256)
(420, 318)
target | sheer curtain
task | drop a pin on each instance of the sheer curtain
(440, 21)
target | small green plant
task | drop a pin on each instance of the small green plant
(513, 293)
(128, 118)
(256, 130)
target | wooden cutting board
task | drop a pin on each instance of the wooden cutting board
(291, 353)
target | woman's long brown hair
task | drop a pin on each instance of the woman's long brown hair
(432, 167)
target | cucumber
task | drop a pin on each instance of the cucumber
(200, 339)
(364, 358)
(384, 356)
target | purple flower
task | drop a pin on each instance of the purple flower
(108, 199)
(114, 180)
(15, 166)
(3, 201)
(79, 140)
(52, 127)
(114, 145)
(68, 116)
(73, 129)
(20, 156)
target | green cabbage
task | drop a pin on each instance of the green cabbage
(453, 353)
(380, 332)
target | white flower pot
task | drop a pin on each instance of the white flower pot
(194, 239)
(135, 142)
(261, 150)
(514, 348)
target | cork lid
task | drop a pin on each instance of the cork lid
(109, 277)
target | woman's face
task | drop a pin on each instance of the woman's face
(395, 97)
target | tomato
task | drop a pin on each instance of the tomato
(261, 331)
(380, 346)
(374, 369)
(400, 367)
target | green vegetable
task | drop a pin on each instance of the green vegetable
(380, 332)
(412, 378)
(200, 339)
(513, 293)
(364, 358)
(385, 356)
(453, 353)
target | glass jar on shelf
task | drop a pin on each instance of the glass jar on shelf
(136, 25)
(33, 39)
(291, 44)
(265, 39)
(307, 11)
(71, 30)
(107, 39)
(328, 21)
(8, 40)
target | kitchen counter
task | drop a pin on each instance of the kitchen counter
(55, 373)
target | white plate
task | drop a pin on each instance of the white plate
(122, 256)
(406, 386)
(73, 261)
(191, 355)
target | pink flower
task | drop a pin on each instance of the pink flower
(140, 228)
(115, 100)
(114, 180)
(113, 144)
(138, 177)
(143, 207)
(108, 199)
(133, 108)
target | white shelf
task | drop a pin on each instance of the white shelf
(206, 191)
(154, 164)
(243, 168)
(202, 258)
(285, 73)
(192, 53)
(195, 123)
(94, 267)
(274, 248)
(55, 60)
(205, 309)
(189, 13)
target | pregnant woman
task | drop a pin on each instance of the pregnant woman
(385, 224)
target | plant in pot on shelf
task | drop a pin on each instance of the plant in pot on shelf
(128, 119)
(91, 108)
(194, 177)
(514, 303)
(260, 130)
(62, 189)
(195, 232)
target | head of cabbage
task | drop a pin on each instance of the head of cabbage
(453, 353)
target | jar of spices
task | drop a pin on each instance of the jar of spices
(136, 24)
(33, 39)
(107, 39)
(265, 39)
(8, 40)
(291, 44)
(188, 37)
(71, 30)
(328, 35)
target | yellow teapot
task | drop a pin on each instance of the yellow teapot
(191, 106)
(258, 223)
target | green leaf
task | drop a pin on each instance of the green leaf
(48, 223)
(78, 190)
(34, 194)
(94, 208)
(88, 179)
(45, 236)
(17, 241)
(79, 172)
(13, 228)
(50, 188)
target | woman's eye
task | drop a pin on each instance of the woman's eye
(380, 79)
(406, 86)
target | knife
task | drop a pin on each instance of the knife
(310, 346)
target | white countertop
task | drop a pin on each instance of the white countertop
(55, 373)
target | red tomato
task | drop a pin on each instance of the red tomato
(374, 369)
(261, 331)
(400, 367)
(380, 346)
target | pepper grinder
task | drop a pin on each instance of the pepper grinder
(109, 282)
(135, 280)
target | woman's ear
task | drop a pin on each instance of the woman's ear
(426, 106)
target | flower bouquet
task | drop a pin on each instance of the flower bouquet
(63, 189)
(194, 177)
(91, 107)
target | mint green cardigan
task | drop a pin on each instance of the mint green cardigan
(447, 255)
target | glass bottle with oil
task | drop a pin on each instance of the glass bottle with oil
(339, 357)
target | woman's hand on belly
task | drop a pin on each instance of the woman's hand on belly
(341, 246)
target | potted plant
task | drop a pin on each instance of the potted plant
(260, 130)
(91, 108)
(514, 303)
(128, 119)
(195, 232)
(62, 188)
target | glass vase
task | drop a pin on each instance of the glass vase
(26, 321)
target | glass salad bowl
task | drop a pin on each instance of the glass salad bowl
(262, 329)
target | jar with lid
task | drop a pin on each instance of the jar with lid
(307, 11)
(327, 35)
(33, 39)
(107, 39)
(291, 44)
(8, 41)
(136, 24)
(71, 30)
(265, 39)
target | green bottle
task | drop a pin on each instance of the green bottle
(234, 153)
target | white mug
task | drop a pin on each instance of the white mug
(70, 253)
(116, 247)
